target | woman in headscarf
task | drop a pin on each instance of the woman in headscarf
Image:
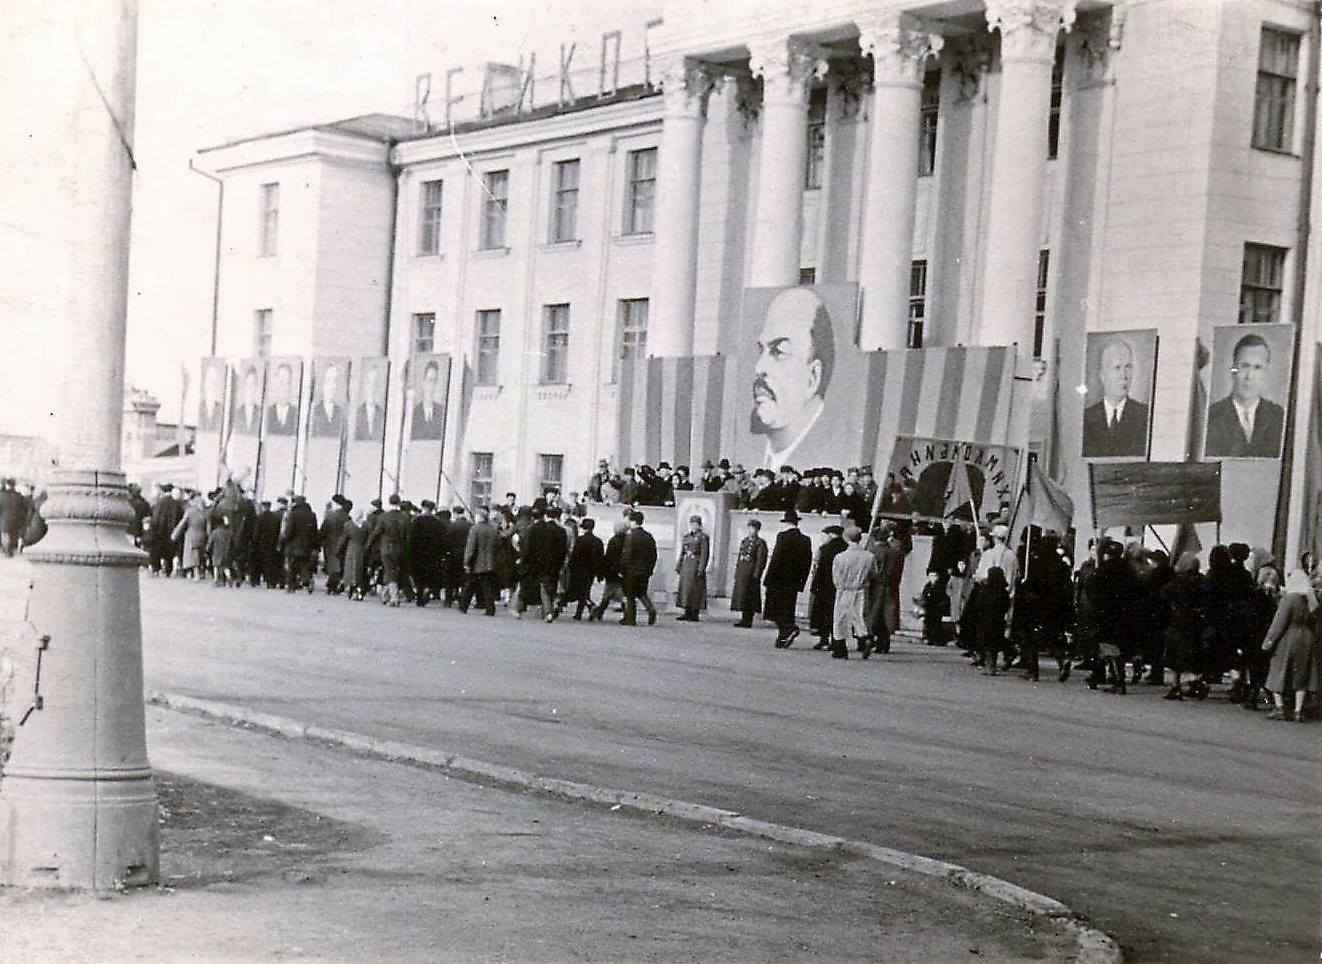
(1293, 642)
(352, 548)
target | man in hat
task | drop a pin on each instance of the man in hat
(786, 575)
(639, 562)
(691, 567)
(629, 490)
(851, 573)
(612, 571)
(545, 548)
(457, 527)
(681, 481)
(332, 532)
(480, 562)
(389, 535)
(587, 560)
(427, 554)
(746, 597)
(372, 550)
(883, 593)
(165, 515)
(822, 608)
(255, 569)
(298, 542)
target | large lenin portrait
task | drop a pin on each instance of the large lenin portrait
(800, 378)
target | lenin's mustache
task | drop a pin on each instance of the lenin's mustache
(760, 386)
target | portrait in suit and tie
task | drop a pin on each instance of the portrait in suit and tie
(246, 412)
(370, 411)
(428, 420)
(282, 412)
(1117, 412)
(328, 400)
(211, 409)
(1249, 381)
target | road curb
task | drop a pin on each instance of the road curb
(1092, 946)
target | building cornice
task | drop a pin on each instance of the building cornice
(297, 145)
(608, 119)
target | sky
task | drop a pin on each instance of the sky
(211, 71)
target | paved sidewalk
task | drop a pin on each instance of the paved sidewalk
(277, 849)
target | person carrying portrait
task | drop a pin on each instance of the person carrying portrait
(691, 567)
(746, 599)
(786, 576)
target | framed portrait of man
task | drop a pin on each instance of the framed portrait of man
(330, 396)
(1248, 389)
(429, 378)
(1119, 372)
(248, 397)
(800, 377)
(211, 395)
(284, 383)
(369, 404)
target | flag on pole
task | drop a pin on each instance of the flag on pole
(1052, 506)
(180, 433)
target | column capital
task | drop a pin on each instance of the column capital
(787, 68)
(685, 84)
(1029, 27)
(899, 47)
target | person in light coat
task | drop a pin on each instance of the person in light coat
(851, 572)
(694, 556)
(192, 528)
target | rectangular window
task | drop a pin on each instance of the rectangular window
(1261, 285)
(807, 276)
(263, 322)
(917, 302)
(488, 346)
(1040, 301)
(555, 345)
(429, 237)
(816, 146)
(551, 469)
(641, 192)
(1057, 96)
(929, 112)
(1273, 108)
(633, 328)
(564, 202)
(480, 484)
(270, 220)
(495, 205)
(424, 333)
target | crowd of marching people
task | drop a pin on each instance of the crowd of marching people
(1126, 615)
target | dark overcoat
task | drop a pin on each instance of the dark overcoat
(748, 569)
(787, 574)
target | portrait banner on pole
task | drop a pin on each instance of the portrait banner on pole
(280, 423)
(326, 428)
(1248, 391)
(210, 420)
(939, 480)
(365, 446)
(243, 433)
(1119, 375)
(426, 398)
(1154, 493)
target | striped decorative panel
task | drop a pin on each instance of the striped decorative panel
(670, 410)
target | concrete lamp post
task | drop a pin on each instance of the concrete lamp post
(77, 803)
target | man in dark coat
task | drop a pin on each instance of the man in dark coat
(639, 562)
(587, 562)
(822, 612)
(786, 575)
(165, 515)
(427, 552)
(456, 543)
(480, 562)
(332, 532)
(545, 548)
(141, 510)
(13, 516)
(388, 538)
(612, 571)
(746, 599)
(299, 543)
(883, 597)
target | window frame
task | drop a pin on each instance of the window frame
(640, 192)
(430, 212)
(544, 461)
(263, 332)
(929, 121)
(481, 483)
(486, 348)
(1275, 94)
(625, 345)
(268, 225)
(1056, 110)
(417, 339)
(1040, 301)
(495, 210)
(917, 320)
(564, 199)
(555, 345)
(1272, 287)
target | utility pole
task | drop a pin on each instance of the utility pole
(77, 803)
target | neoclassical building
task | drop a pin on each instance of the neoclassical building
(1015, 172)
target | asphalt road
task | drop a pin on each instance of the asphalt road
(1187, 831)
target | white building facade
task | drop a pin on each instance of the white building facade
(1017, 172)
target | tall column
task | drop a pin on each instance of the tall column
(77, 806)
(685, 88)
(1014, 223)
(787, 69)
(899, 52)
